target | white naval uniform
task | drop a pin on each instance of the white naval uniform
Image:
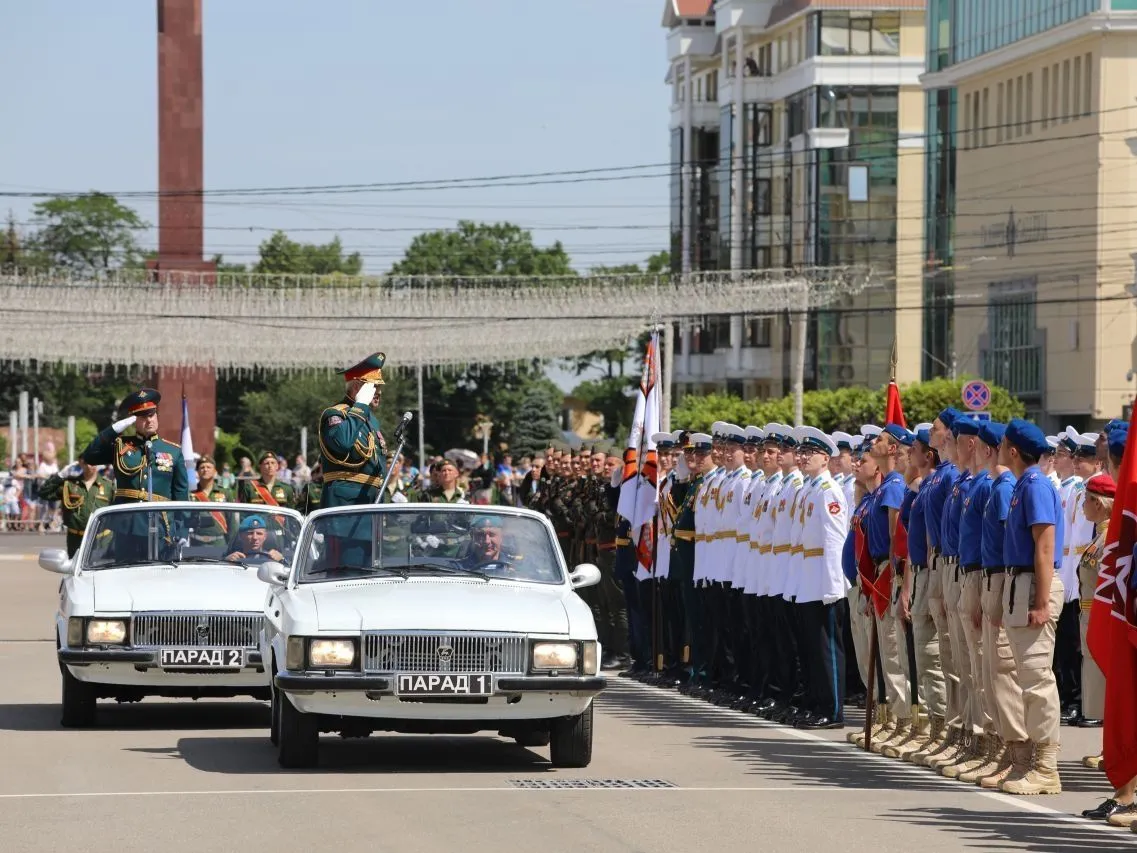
(663, 542)
(1077, 534)
(732, 496)
(704, 523)
(782, 540)
(793, 560)
(741, 567)
(821, 576)
(761, 534)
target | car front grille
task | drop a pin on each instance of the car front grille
(196, 629)
(494, 653)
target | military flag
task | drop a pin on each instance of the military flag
(639, 492)
(187, 446)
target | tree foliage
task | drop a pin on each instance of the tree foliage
(536, 422)
(479, 249)
(838, 409)
(281, 254)
(611, 398)
(87, 233)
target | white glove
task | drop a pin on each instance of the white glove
(682, 472)
(433, 541)
(120, 426)
(617, 477)
(71, 471)
(461, 501)
(398, 498)
(366, 395)
(184, 543)
(318, 538)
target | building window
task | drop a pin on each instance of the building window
(1088, 83)
(1018, 106)
(859, 33)
(713, 86)
(1054, 91)
(1029, 103)
(1000, 112)
(1065, 91)
(986, 117)
(1045, 97)
(1012, 358)
(757, 332)
(762, 201)
(1077, 87)
(677, 196)
(965, 129)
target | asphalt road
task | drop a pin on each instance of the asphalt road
(669, 774)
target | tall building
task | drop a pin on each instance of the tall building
(1032, 113)
(797, 138)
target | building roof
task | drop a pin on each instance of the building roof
(678, 9)
(785, 9)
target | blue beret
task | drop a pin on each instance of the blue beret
(992, 433)
(966, 425)
(899, 433)
(1116, 423)
(1027, 437)
(948, 416)
(484, 522)
(1117, 440)
(924, 436)
(252, 522)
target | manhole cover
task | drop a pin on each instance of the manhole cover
(592, 783)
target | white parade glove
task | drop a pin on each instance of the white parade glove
(183, 542)
(366, 395)
(617, 477)
(318, 538)
(71, 471)
(682, 472)
(461, 501)
(120, 426)
(398, 498)
(433, 541)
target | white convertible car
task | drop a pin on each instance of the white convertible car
(430, 618)
(164, 600)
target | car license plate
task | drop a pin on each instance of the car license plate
(202, 658)
(444, 684)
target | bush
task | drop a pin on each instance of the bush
(838, 409)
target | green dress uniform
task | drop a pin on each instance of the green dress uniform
(79, 500)
(259, 492)
(310, 496)
(451, 532)
(163, 471)
(211, 527)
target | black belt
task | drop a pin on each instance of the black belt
(994, 570)
(1021, 570)
(974, 567)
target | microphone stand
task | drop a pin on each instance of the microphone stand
(151, 518)
(401, 438)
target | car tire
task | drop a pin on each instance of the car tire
(532, 739)
(570, 744)
(78, 701)
(298, 737)
(274, 720)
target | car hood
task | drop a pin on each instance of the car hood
(189, 587)
(440, 605)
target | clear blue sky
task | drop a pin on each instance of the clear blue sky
(353, 91)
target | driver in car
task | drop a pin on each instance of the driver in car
(486, 551)
(251, 536)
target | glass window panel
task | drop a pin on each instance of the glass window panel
(885, 34)
(834, 33)
(858, 183)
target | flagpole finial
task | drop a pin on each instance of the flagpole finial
(892, 363)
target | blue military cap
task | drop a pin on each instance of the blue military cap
(868, 433)
(992, 433)
(369, 370)
(1027, 437)
(483, 522)
(948, 416)
(1115, 424)
(899, 433)
(140, 402)
(252, 522)
(924, 436)
(965, 425)
(1117, 440)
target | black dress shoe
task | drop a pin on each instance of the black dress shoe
(1104, 810)
(815, 723)
(1083, 723)
(764, 705)
(1070, 715)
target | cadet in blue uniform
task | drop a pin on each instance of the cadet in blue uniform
(146, 467)
(1032, 599)
(353, 460)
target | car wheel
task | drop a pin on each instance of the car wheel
(531, 739)
(571, 740)
(78, 701)
(274, 724)
(298, 736)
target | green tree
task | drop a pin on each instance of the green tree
(536, 423)
(86, 233)
(281, 254)
(476, 249)
(272, 418)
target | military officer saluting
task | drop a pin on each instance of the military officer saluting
(81, 490)
(266, 490)
(142, 460)
(352, 450)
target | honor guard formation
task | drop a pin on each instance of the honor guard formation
(963, 553)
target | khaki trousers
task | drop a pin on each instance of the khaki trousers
(938, 612)
(971, 621)
(960, 712)
(894, 663)
(1004, 696)
(929, 671)
(861, 627)
(1033, 648)
(1093, 681)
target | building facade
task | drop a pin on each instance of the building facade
(1029, 233)
(797, 138)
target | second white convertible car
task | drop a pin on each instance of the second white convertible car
(163, 599)
(430, 618)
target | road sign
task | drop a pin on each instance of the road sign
(976, 395)
(980, 416)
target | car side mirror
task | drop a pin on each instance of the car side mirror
(585, 574)
(55, 560)
(273, 573)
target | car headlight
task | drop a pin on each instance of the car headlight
(106, 631)
(554, 656)
(331, 653)
(591, 658)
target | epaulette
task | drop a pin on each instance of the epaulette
(1080, 486)
(828, 484)
(172, 443)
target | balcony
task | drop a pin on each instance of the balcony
(695, 42)
(755, 363)
(703, 114)
(742, 13)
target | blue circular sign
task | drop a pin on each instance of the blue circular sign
(976, 395)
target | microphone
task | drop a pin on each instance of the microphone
(403, 424)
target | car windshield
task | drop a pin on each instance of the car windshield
(471, 543)
(150, 534)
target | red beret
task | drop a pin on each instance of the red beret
(1101, 484)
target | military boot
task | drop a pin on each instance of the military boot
(880, 719)
(1010, 760)
(1023, 760)
(975, 758)
(1043, 775)
(930, 742)
(1093, 762)
(917, 737)
(898, 735)
(946, 740)
(953, 746)
(991, 761)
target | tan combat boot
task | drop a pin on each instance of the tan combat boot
(917, 737)
(899, 734)
(882, 730)
(979, 755)
(857, 736)
(1011, 759)
(1023, 757)
(931, 743)
(956, 744)
(962, 758)
(1093, 762)
(991, 762)
(1043, 775)
(946, 741)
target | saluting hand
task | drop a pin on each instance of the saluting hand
(365, 394)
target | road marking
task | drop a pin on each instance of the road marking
(1024, 804)
(428, 790)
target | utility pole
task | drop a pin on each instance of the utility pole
(665, 380)
(421, 428)
(799, 319)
